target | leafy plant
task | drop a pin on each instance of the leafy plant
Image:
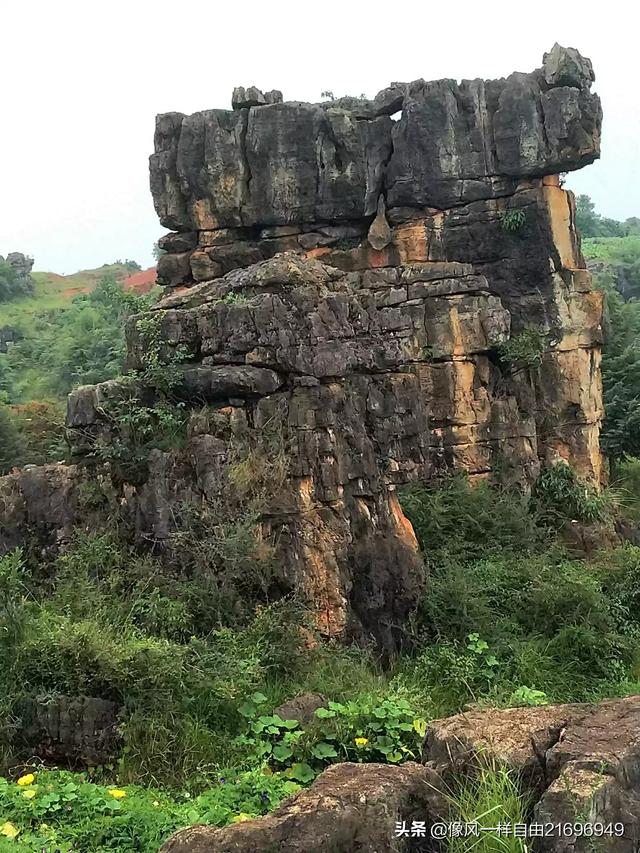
(362, 730)
(65, 811)
(528, 696)
(514, 220)
(523, 350)
(560, 494)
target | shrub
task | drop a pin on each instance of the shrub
(522, 350)
(560, 495)
(456, 521)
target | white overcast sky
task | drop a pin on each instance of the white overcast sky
(81, 83)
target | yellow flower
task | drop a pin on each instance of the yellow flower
(29, 794)
(156, 803)
(8, 830)
(361, 741)
(117, 793)
(420, 727)
(28, 779)
(239, 818)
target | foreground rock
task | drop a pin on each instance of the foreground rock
(578, 765)
(349, 807)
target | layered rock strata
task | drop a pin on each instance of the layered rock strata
(401, 298)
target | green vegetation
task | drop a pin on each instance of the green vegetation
(62, 342)
(514, 220)
(592, 224)
(511, 617)
(616, 264)
(198, 643)
(57, 810)
(11, 284)
(78, 344)
(522, 350)
(491, 797)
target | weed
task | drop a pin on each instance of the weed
(522, 350)
(486, 799)
(514, 220)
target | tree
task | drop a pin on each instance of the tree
(158, 252)
(621, 375)
(80, 343)
(591, 224)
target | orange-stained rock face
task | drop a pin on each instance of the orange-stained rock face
(368, 287)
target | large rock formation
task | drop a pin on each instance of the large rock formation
(22, 266)
(400, 298)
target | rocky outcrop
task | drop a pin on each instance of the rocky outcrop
(349, 807)
(22, 266)
(277, 164)
(578, 765)
(364, 286)
(581, 764)
(69, 730)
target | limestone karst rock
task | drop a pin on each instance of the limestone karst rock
(22, 265)
(355, 280)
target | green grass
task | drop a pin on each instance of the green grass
(486, 799)
(510, 617)
(53, 291)
(610, 248)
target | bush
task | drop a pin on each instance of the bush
(505, 613)
(560, 495)
(12, 444)
(456, 521)
(523, 350)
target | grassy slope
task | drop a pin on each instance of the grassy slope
(54, 291)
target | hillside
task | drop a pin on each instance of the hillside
(53, 290)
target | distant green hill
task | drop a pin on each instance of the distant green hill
(55, 291)
(616, 259)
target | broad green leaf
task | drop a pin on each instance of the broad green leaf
(324, 713)
(324, 750)
(281, 752)
(301, 771)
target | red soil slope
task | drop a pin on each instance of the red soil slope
(141, 282)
